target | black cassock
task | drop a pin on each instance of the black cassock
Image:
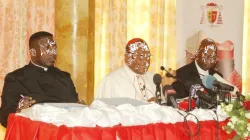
(51, 86)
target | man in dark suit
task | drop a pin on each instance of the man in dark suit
(204, 63)
(37, 82)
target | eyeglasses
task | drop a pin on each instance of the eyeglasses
(141, 56)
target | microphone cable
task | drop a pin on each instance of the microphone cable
(190, 134)
(217, 124)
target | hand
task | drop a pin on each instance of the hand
(25, 102)
(168, 80)
(81, 102)
(153, 99)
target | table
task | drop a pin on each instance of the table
(21, 128)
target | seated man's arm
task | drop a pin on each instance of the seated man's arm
(179, 87)
(10, 98)
(74, 95)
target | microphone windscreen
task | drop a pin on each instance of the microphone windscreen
(207, 81)
(157, 79)
(162, 68)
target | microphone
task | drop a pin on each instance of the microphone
(205, 97)
(210, 82)
(194, 89)
(157, 80)
(168, 74)
(221, 85)
(220, 79)
(187, 87)
(236, 90)
(193, 93)
(170, 96)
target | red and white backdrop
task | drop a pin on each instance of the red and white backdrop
(220, 20)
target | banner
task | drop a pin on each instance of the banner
(220, 20)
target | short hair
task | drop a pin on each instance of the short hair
(38, 35)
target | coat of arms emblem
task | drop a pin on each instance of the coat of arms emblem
(211, 14)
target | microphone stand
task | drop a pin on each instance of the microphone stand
(215, 89)
(189, 102)
(240, 97)
(221, 92)
(158, 94)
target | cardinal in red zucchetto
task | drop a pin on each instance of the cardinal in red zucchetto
(226, 64)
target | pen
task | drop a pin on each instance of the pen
(23, 97)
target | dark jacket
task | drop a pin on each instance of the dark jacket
(189, 75)
(43, 86)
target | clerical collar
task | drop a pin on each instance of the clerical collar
(45, 69)
(200, 70)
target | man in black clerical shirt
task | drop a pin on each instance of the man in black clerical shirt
(204, 62)
(39, 81)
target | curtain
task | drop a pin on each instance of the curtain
(116, 22)
(246, 50)
(18, 20)
(110, 36)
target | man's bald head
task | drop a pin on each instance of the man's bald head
(206, 56)
(206, 43)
